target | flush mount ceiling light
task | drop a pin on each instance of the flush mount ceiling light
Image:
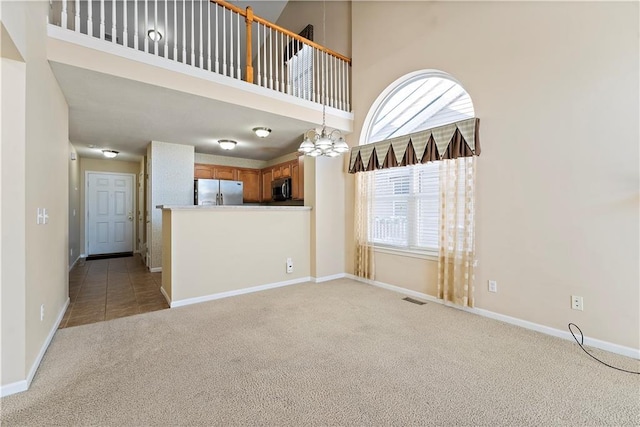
(227, 144)
(262, 132)
(154, 35)
(110, 154)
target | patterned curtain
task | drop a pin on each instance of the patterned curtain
(364, 264)
(456, 260)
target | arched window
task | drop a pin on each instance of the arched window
(404, 208)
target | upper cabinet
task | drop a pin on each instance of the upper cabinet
(203, 171)
(251, 184)
(225, 172)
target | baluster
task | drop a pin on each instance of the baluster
(63, 15)
(258, 53)
(193, 44)
(346, 88)
(270, 58)
(314, 81)
(166, 27)
(286, 72)
(238, 44)
(184, 32)
(216, 32)
(144, 28)
(114, 32)
(208, 35)
(77, 20)
(125, 34)
(90, 18)
(224, 42)
(278, 62)
(264, 53)
(175, 30)
(155, 27)
(200, 53)
(135, 25)
(102, 26)
(339, 86)
(231, 67)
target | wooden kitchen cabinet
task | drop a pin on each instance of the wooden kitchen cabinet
(225, 172)
(297, 178)
(251, 184)
(285, 170)
(202, 171)
(267, 177)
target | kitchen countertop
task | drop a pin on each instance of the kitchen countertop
(234, 207)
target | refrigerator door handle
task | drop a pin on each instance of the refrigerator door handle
(221, 198)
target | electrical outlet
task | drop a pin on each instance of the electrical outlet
(42, 312)
(289, 265)
(576, 303)
(493, 286)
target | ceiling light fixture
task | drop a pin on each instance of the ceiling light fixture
(227, 144)
(326, 143)
(262, 132)
(154, 35)
(110, 154)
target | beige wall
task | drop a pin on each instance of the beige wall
(75, 208)
(171, 176)
(104, 165)
(555, 86)
(298, 14)
(34, 175)
(324, 183)
(211, 159)
(12, 213)
(227, 249)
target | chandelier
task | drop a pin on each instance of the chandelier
(326, 143)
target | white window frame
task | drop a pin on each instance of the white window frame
(408, 250)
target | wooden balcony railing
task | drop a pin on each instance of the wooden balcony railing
(219, 37)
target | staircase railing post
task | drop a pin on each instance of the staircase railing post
(249, 21)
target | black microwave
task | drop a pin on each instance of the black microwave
(281, 189)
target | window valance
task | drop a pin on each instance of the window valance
(450, 141)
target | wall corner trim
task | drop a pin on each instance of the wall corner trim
(24, 385)
(73, 264)
(164, 293)
(155, 269)
(591, 342)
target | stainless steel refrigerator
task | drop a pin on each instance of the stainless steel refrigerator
(217, 192)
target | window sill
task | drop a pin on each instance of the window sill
(411, 253)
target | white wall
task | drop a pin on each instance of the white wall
(35, 119)
(555, 86)
(171, 182)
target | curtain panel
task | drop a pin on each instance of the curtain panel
(450, 141)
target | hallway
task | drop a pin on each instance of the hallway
(107, 289)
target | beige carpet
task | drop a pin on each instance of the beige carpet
(336, 353)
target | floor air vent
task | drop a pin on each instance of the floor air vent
(414, 301)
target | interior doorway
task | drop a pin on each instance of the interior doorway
(109, 208)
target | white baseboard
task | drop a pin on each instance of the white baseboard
(591, 342)
(83, 255)
(164, 293)
(73, 264)
(24, 385)
(220, 295)
(155, 270)
(327, 278)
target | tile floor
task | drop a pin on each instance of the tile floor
(106, 289)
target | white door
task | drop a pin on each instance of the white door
(109, 213)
